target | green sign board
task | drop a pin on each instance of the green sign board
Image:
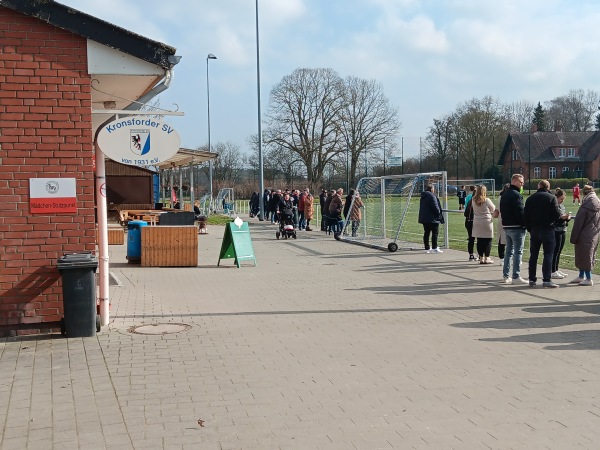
(237, 244)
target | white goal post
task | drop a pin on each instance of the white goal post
(225, 203)
(390, 212)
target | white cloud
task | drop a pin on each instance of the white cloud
(429, 55)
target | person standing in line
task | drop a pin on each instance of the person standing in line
(253, 203)
(295, 198)
(469, 224)
(560, 228)
(501, 233)
(336, 206)
(540, 213)
(273, 204)
(462, 195)
(576, 194)
(356, 213)
(308, 209)
(584, 236)
(266, 200)
(513, 223)
(322, 200)
(347, 204)
(483, 223)
(326, 214)
(430, 216)
(301, 219)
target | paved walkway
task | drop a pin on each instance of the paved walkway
(323, 345)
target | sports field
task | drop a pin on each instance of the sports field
(411, 232)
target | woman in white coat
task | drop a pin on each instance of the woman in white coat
(483, 224)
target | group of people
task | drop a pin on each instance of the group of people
(334, 207)
(543, 215)
(277, 200)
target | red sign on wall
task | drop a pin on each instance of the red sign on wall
(52, 195)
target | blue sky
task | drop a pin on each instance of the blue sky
(429, 55)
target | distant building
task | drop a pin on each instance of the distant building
(551, 154)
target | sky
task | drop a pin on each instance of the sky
(429, 56)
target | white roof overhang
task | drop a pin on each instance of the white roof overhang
(185, 157)
(118, 77)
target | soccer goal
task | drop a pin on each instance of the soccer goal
(204, 204)
(489, 183)
(225, 203)
(390, 212)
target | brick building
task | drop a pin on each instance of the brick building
(552, 154)
(59, 68)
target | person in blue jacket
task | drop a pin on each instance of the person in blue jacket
(430, 216)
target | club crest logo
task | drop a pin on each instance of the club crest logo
(139, 141)
(52, 187)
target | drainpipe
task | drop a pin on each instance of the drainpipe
(103, 266)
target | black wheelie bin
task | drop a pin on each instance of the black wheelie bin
(78, 272)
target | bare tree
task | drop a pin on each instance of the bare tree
(519, 115)
(575, 111)
(279, 164)
(228, 167)
(367, 120)
(480, 124)
(303, 117)
(440, 141)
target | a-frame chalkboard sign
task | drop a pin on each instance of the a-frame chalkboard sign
(237, 243)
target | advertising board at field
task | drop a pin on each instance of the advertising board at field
(394, 161)
(138, 141)
(52, 195)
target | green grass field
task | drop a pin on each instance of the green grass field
(412, 231)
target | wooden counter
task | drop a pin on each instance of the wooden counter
(170, 246)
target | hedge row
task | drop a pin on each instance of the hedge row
(566, 184)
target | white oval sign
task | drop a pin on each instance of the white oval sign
(138, 140)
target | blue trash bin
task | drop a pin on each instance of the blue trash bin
(134, 240)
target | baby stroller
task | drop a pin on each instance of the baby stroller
(286, 225)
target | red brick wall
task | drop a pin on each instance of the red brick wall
(45, 131)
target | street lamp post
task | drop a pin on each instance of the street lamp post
(261, 178)
(210, 163)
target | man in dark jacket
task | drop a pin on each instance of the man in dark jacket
(273, 204)
(513, 223)
(541, 211)
(266, 198)
(322, 199)
(430, 216)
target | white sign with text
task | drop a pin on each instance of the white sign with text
(139, 141)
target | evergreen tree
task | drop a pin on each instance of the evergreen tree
(539, 117)
(597, 124)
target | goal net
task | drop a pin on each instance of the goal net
(204, 204)
(390, 212)
(489, 183)
(225, 203)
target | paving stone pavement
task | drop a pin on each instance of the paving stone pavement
(322, 345)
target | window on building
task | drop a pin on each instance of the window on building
(552, 172)
(537, 172)
(565, 169)
(563, 152)
(571, 152)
